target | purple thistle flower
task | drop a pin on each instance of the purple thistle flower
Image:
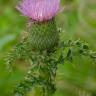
(39, 10)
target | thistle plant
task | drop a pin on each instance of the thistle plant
(43, 48)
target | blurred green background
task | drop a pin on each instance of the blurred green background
(78, 21)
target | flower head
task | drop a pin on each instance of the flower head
(39, 10)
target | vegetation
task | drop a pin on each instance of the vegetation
(77, 22)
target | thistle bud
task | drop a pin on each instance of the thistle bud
(43, 33)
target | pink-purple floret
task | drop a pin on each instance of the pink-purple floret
(39, 10)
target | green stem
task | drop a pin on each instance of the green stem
(45, 75)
